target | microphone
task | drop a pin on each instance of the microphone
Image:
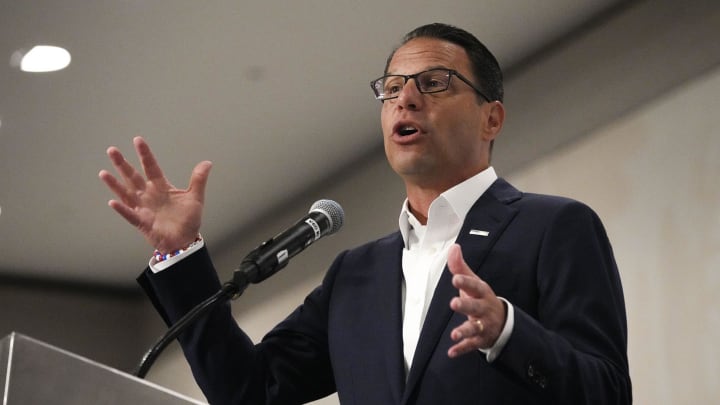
(324, 218)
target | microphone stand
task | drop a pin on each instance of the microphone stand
(230, 290)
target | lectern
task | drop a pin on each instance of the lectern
(34, 372)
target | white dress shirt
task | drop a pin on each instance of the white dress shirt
(425, 257)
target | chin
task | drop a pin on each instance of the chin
(412, 169)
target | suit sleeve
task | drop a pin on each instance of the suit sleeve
(571, 346)
(290, 366)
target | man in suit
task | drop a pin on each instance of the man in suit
(485, 294)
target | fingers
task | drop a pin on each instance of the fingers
(126, 212)
(120, 190)
(133, 184)
(133, 179)
(150, 166)
(470, 336)
(115, 186)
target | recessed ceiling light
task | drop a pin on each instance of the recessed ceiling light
(45, 58)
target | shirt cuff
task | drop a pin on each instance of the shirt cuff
(493, 352)
(158, 266)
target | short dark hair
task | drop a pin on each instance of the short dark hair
(485, 67)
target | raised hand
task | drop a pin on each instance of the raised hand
(169, 218)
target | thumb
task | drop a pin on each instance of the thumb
(198, 180)
(456, 262)
(457, 266)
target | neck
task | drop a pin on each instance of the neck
(419, 204)
(421, 194)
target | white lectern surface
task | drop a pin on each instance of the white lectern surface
(33, 372)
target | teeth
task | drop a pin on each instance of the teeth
(407, 130)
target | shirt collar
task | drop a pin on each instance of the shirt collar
(460, 198)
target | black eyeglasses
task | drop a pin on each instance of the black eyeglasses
(428, 81)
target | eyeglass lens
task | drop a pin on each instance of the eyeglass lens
(427, 82)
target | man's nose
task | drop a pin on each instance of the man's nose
(410, 96)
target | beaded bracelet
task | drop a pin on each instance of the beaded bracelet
(159, 256)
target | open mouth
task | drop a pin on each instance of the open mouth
(406, 130)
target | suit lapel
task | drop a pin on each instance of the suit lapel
(488, 218)
(390, 314)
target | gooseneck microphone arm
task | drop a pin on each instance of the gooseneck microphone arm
(325, 218)
(228, 291)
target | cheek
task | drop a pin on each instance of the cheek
(465, 121)
(460, 134)
(385, 121)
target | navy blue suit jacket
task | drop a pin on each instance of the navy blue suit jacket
(549, 256)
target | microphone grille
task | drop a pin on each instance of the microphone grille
(333, 211)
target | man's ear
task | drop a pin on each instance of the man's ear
(494, 119)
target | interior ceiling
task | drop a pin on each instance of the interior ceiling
(276, 94)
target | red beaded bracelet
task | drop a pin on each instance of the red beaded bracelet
(159, 256)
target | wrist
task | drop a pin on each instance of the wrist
(160, 256)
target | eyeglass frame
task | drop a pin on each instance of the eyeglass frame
(450, 73)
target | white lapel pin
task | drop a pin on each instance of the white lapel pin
(479, 232)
